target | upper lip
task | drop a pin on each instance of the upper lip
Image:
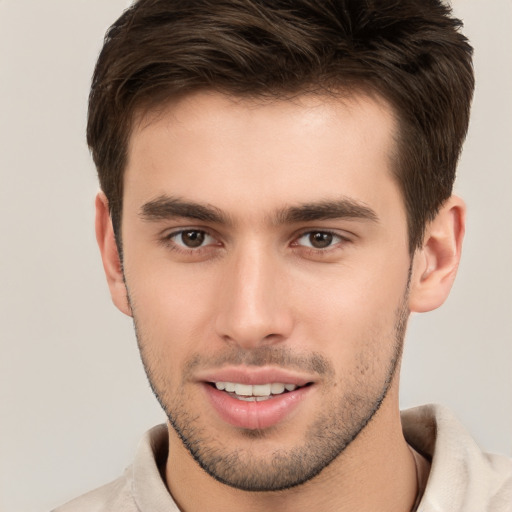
(254, 376)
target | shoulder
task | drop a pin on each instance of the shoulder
(115, 496)
(141, 487)
(462, 476)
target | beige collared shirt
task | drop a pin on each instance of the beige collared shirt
(461, 479)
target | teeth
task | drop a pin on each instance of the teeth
(256, 392)
(253, 398)
(277, 388)
(261, 390)
(243, 389)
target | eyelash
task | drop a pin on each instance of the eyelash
(334, 235)
(171, 244)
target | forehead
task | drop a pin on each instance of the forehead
(249, 154)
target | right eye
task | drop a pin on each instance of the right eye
(191, 238)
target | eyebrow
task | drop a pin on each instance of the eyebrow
(344, 208)
(165, 208)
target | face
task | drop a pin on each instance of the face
(266, 265)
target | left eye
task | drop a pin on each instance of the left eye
(192, 238)
(319, 239)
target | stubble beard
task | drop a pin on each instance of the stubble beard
(339, 423)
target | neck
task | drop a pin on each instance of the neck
(375, 472)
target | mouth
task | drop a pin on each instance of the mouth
(252, 402)
(256, 392)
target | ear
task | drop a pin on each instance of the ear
(110, 255)
(435, 264)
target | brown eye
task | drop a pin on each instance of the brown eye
(320, 240)
(192, 238)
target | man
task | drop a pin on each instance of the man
(276, 200)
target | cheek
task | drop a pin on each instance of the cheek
(353, 313)
(171, 306)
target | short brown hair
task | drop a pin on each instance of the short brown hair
(409, 52)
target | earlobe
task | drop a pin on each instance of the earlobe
(435, 264)
(110, 255)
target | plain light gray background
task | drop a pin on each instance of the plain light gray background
(74, 399)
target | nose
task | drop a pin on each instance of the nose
(253, 309)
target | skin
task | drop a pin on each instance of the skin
(254, 294)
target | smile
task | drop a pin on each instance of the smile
(255, 392)
(255, 406)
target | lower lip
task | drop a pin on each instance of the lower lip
(255, 415)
